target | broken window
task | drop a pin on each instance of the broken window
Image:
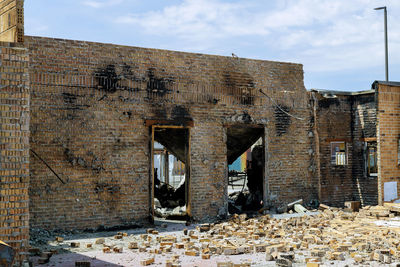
(339, 153)
(372, 159)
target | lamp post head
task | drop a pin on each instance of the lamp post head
(379, 8)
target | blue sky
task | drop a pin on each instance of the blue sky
(339, 42)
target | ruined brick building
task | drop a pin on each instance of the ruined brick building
(78, 123)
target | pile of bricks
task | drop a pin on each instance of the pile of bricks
(331, 235)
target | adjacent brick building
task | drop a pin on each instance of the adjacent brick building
(388, 134)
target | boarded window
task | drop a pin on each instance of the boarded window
(338, 153)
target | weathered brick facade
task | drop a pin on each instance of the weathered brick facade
(333, 119)
(388, 134)
(348, 118)
(364, 124)
(90, 104)
(14, 148)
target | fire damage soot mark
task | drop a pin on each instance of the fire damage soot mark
(243, 82)
(155, 85)
(110, 80)
(70, 101)
(72, 106)
(104, 187)
(180, 114)
(282, 120)
(69, 98)
(127, 114)
(159, 111)
(95, 163)
(327, 102)
(246, 118)
(107, 79)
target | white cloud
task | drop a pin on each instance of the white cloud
(101, 4)
(354, 40)
(197, 20)
(327, 35)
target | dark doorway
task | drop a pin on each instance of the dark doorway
(246, 165)
(170, 172)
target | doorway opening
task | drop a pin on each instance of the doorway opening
(170, 172)
(246, 168)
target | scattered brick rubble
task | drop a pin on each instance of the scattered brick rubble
(332, 235)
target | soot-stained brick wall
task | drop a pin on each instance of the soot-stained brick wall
(349, 118)
(364, 131)
(14, 148)
(334, 124)
(90, 104)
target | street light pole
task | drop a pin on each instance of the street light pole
(386, 42)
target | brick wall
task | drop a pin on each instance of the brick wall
(349, 118)
(12, 21)
(388, 134)
(333, 119)
(90, 103)
(14, 148)
(364, 131)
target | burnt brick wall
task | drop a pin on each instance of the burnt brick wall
(334, 119)
(364, 130)
(14, 148)
(90, 103)
(350, 118)
(290, 151)
(388, 134)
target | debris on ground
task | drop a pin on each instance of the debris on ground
(169, 202)
(334, 235)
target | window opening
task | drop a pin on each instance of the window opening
(339, 153)
(372, 159)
